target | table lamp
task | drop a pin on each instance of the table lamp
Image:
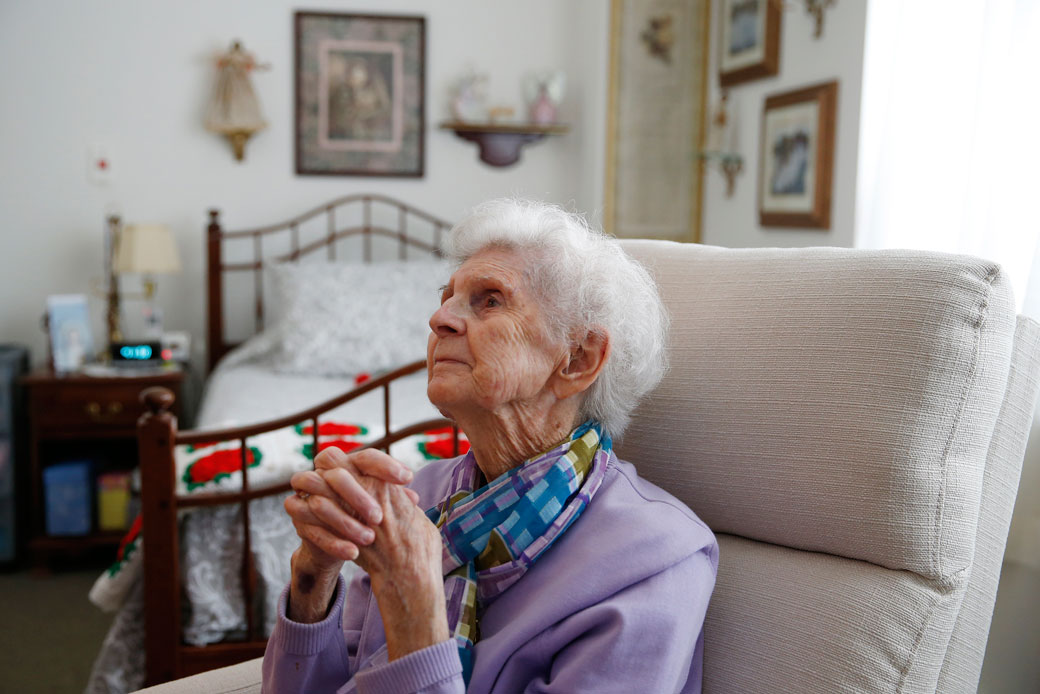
(146, 249)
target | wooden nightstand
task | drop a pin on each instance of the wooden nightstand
(77, 417)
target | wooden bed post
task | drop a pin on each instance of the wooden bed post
(215, 294)
(156, 433)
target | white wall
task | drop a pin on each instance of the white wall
(804, 61)
(135, 75)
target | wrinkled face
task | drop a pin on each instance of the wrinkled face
(489, 346)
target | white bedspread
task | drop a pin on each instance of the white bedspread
(211, 542)
(249, 393)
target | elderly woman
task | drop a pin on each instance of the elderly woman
(538, 561)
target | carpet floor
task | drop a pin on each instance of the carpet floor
(51, 633)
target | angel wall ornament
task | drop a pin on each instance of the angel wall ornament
(234, 110)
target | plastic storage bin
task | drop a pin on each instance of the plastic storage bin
(114, 501)
(14, 361)
(68, 495)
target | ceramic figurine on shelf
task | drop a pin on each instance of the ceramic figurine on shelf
(500, 114)
(544, 92)
(469, 99)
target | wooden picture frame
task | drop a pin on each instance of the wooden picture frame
(796, 158)
(377, 61)
(656, 118)
(749, 40)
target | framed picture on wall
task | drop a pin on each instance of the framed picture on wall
(360, 87)
(656, 118)
(797, 157)
(749, 41)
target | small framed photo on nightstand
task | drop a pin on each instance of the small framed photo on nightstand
(68, 327)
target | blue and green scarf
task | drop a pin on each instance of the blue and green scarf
(494, 534)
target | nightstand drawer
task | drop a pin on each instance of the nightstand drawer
(79, 408)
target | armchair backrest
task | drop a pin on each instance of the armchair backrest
(830, 413)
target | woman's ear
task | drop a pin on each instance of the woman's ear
(580, 371)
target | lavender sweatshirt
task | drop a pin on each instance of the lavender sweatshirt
(617, 604)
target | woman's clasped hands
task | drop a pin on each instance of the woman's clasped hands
(335, 509)
(356, 507)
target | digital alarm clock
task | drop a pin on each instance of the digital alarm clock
(131, 353)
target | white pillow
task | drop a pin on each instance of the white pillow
(340, 319)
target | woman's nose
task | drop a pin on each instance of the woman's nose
(446, 321)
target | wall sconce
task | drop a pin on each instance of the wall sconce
(146, 249)
(816, 8)
(730, 165)
(722, 149)
(234, 110)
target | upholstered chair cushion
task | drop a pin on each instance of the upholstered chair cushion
(828, 412)
(828, 399)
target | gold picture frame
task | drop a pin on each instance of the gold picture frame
(656, 117)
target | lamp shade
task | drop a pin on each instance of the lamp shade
(147, 249)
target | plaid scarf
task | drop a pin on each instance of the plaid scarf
(494, 534)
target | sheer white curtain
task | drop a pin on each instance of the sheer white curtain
(949, 143)
(949, 154)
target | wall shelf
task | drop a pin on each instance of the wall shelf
(500, 143)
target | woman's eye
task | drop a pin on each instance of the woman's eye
(484, 300)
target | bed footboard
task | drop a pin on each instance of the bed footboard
(166, 656)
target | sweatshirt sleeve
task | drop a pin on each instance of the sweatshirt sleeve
(307, 657)
(322, 657)
(435, 669)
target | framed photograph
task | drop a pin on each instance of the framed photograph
(360, 88)
(797, 157)
(68, 326)
(749, 45)
(656, 118)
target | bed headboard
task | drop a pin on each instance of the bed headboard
(366, 216)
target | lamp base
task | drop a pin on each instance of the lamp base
(112, 307)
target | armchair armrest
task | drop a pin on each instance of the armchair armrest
(243, 678)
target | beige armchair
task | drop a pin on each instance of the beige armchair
(851, 424)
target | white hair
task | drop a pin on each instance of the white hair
(586, 283)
